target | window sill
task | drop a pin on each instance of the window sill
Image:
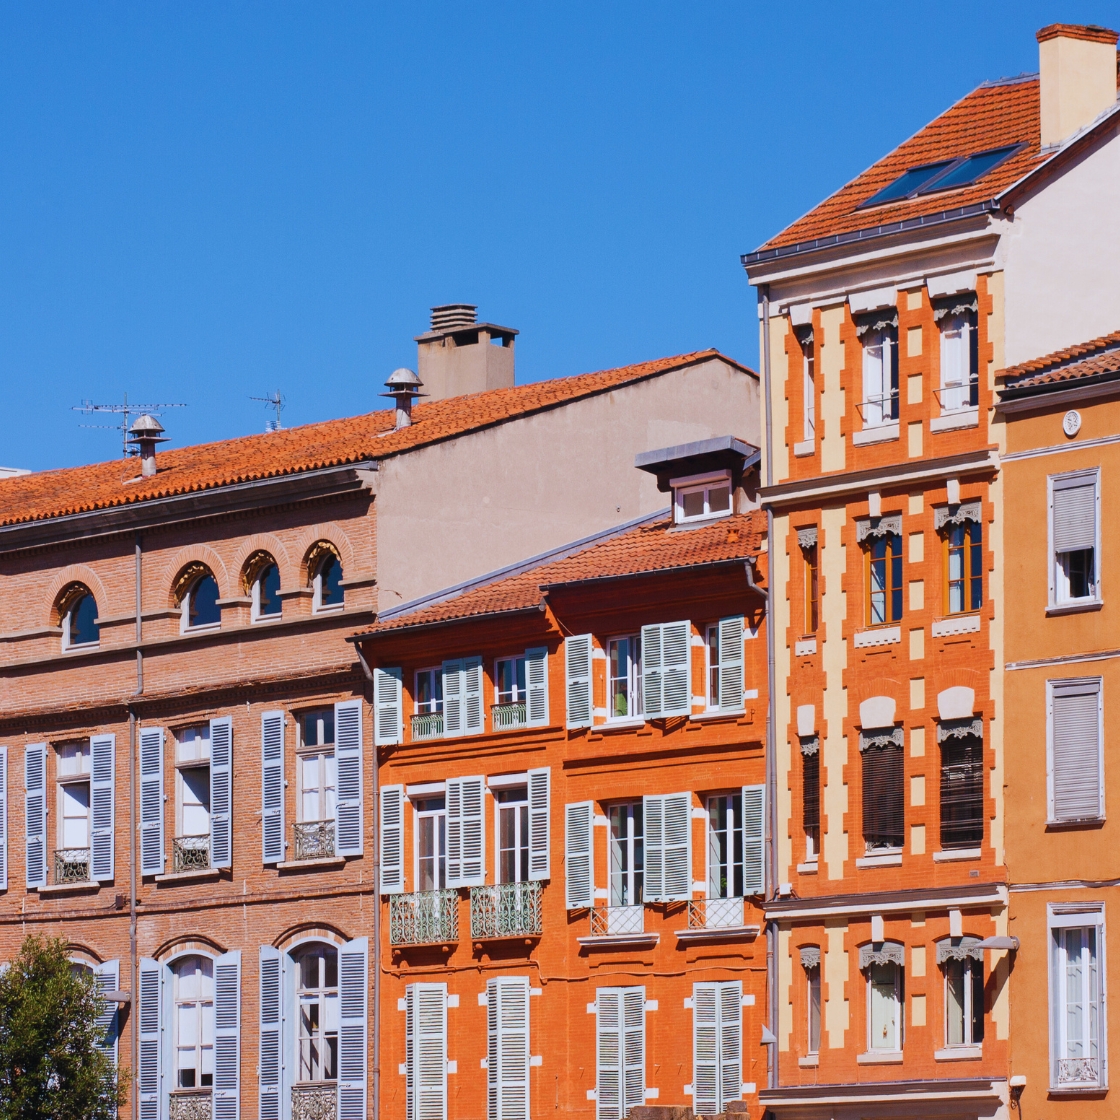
(67, 888)
(879, 1058)
(1074, 607)
(311, 864)
(955, 624)
(267, 619)
(335, 608)
(807, 868)
(951, 421)
(951, 855)
(1078, 1090)
(189, 876)
(804, 647)
(209, 628)
(719, 933)
(620, 724)
(889, 858)
(879, 636)
(884, 433)
(610, 940)
(810, 1062)
(958, 1054)
(82, 647)
(1081, 822)
(804, 448)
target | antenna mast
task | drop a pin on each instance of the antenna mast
(126, 411)
(276, 401)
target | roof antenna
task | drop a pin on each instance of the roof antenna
(126, 411)
(276, 401)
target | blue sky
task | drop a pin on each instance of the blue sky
(206, 202)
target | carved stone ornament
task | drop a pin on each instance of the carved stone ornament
(889, 524)
(884, 738)
(960, 729)
(880, 952)
(939, 312)
(959, 949)
(947, 515)
(810, 744)
(807, 538)
(876, 322)
(804, 336)
(810, 956)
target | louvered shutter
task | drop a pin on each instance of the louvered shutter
(754, 840)
(666, 669)
(730, 1043)
(579, 885)
(270, 1075)
(3, 818)
(391, 835)
(633, 1048)
(453, 697)
(539, 824)
(705, 1049)
(221, 791)
(577, 673)
(1076, 750)
(272, 787)
(473, 720)
(466, 836)
(1075, 512)
(731, 663)
(151, 801)
(426, 1052)
(507, 1065)
(227, 1037)
(108, 978)
(150, 1008)
(668, 847)
(348, 815)
(883, 792)
(102, 750)
(353, 968)
(389, 707)
(35, 806)
(536, 687)
(608, 1054)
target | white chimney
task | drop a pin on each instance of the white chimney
(1077, 71)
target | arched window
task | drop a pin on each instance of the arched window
(198, 598)
(317, 995)
(194, 1022)
(325, 567)
(79, 619)
(262, 582)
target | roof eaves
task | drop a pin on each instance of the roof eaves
(737, 561)
(1034, 387)
(414, 627)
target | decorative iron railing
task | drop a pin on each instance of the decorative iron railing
(505, 716)
(506, 910)
(71, 865)
(610, 921)
(878, 410)
(315, 1102)
(191, 1104)
(715, 913)
(314, 840)
(1078, 1071)
(190, 853)
(428, 726)
(424, 918)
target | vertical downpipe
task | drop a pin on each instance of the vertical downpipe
(139, 616)
(134, 963)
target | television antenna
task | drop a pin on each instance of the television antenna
(276, 401)
(126, 411)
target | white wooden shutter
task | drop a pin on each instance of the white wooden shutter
(651, 672)
(1074, 516)
(536, 687)
(754, 840)
(731, 663)
(1075, 715)
(705, 1049)
(348, 815)
(221, 791)
(151, 801)
(391, 837)
(426, 1052)
(608, 1054)
(453, 697)
(577, 674)
(507, 1050)
(270, 1075)
(668, 847)
(102, 751)
(730, 1042)
(353, 969)
(388, 707)
(108, 978)
(149, 1009)
(667, 669)
(272, 787)
(35, 805)
(633, 1048)
(579, 864)
(473, 711)
(540, 863)
(227, 1037)
(3, 818)
(466, 834)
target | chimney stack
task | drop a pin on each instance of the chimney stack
(460, 355)
(146, 433)
(1077, 78)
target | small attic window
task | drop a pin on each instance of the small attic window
(701, 497)
(908, 183)
(941, 176)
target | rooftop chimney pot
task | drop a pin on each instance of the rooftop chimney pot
(1077, 78)
(403, 385)
(449, 315)
(146, 432)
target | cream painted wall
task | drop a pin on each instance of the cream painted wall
(779, 394)
(834, 658)
(461, 508)
(785, 989)
(831, 365)
(837, 1015)
(780, 558)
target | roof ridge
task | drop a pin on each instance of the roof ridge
(1010, 80)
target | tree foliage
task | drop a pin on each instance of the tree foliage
(52, 1065)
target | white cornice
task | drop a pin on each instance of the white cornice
(904, 902)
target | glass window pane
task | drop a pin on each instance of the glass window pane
(719, 499)
(693, 503)
(268, 583)
(907, 183)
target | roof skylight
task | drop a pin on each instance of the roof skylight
(943, 176)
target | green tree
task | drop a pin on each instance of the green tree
(52, 1066)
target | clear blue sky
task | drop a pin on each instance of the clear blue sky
(203, 202)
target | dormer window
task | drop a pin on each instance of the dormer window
(701, 497)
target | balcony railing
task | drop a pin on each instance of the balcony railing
(715, 913)
(424, 918)
(315, 1102)
(191, 1104)
(506, 910)
(1078, 1071)
(612, 921)
(315, 840)
(876, 411)
(190, 853)
(428, 726)
(956, 398)
(71, 865)
(505, 716)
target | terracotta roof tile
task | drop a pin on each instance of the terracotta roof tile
(309, 447)
(1087, 359)
(652, 547)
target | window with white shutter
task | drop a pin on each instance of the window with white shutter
(349, 831)
(462, 696)
(35, 806)
(1075, 537)
(507, 1049)
(1076, 777)
(221, 792)
(731, 668)
(717, 1046)
(540, 862)
(425, 1050)
(754, 840)
(1078, 997)
(103, 775)
(577, 675)
(3, 818)
(620, 1051)
(579, 863)
(668, 847)
(536, 684)
(389, 707)
(107, 975)
(151, 801)
(227, 1037)
(150, 1013)
(391, 836)
(466, 834)
(353, 970)
(270, 1075)
(667, 669)
(272, 787)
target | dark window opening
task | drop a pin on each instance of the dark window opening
(883, 815)
(203, 609)
(83, 621)
(962, 793)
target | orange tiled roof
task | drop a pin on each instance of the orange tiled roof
(1087, 359)
(651, 547)
(356, 439)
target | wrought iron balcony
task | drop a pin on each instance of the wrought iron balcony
(1078, 1071)
(314, 840)
(191, 1104)
(506, 910)
(317, 1101)
(715, 913)
(613, 921)
(428, 726)
(424, 918)
(190, 853)
(505, 716)
(71, 865)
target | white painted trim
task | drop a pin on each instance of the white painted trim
(1067, 659)
(917, 901)
(804, 647)
(955, 624)
(887, 859)
(955, 854)
(804, 448)
(879, 636)
(958, 1053)
(951, 421)
(881, 433)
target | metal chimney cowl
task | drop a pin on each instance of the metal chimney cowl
(146, 433)
(403, 386)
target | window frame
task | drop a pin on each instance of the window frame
(888, 378)
(898, 1005)
(968, 1009)
(810, 568)
(200, 1005)
(705, 483)
(185, 626)
(812, 844)
(323, 755)
(512, 658)
(83, 778)
(1096, 597)
(439, 819)
(968, 580)
(814, 975)
(1076, 915)
(67, 616)
(971, 387)
(437, 677)
(711, 688)
(630, 875)
(737, 875)
(889, 590)
(635, 712)
(1053, 821)
(520, 809)
(256, 615)
(317, 604)
(324, 991)
(809, 389)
